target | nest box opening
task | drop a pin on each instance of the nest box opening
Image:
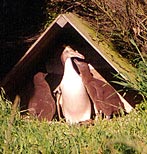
(44, 55)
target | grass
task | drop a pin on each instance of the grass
(122, 135)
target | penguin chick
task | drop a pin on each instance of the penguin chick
(103, 95)
(42, 103)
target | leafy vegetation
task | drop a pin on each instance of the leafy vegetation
(125, 134)
(141, 77)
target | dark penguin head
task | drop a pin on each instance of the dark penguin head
(39, 78)
(68, 52)
(83, 68)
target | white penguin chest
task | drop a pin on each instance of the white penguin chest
(75, 101)
(71, 82)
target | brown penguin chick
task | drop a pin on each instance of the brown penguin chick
(42, 103)
(103, 95)
(74, 100)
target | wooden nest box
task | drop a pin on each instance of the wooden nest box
(44, 55)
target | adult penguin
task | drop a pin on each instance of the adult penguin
(74, 100)
(103, 95)
(42, 103)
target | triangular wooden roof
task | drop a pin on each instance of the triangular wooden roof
(51, 38)
(105, 49)
(120, 64)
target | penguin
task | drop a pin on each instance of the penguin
(42, 104)
(103, 95)
(74, 100)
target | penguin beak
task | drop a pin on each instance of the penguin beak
(73, 53)
(45, 74)
(77, 60)
(81, 56)
(78, 55)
